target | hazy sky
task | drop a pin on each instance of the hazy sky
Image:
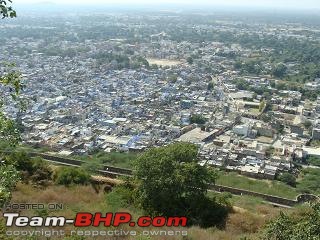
(270, 3)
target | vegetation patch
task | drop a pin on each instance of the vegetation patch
(261, 186)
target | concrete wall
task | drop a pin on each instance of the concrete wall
(274, 199)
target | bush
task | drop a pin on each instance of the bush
(288, 179)
(303, 227)
(206, 213)
(69, 176)
(310, 181)
(122, 196)
(8, 178)
(21, 161)
(41, 172)
(36, 169)
(314, 161)
(198, 119)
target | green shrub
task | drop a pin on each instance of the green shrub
(122, 196)
(314, 161)
(69, 176)
(34, 169)
(198, 119)
(288, 179)
(295, 227)
(310, 181)
(41, 172)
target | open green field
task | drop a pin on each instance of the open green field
(116, 159)
(309, 181)
(314, 161)
(23, 147)
(261, 186)
(122, 160)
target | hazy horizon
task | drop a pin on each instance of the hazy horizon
(273, 4)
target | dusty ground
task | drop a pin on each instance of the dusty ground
(163, 62)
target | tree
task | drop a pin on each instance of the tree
(269, 152)
(252, 67)
(171, 183)
(237, 65)
(8, 178)
(266, 117)
(198, 119)
(68, 176)
(172, 78)
(262, 106)
(288, 179)
(280, 128)
(307, 124)
(21, 161)
(6, 10)
(41, 172)
(8, 132)
(10, 80)
(279, 70)
(305, 227)
(190, 60)
(34, 169)
(210, 86)
(241, 84)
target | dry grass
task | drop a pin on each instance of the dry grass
(243, 222)
(79, 198)
(84, 194)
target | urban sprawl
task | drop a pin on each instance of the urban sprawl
(129, 82)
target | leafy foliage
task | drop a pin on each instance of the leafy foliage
(8, 178)
(198, 119)
(35, 170)
(171, 183)
(279, 70)
(248, 67)
(69, 176)
(306, 227)
(211, 86)
(10, 81)
(121, 60)
(41, 172)
(310, 181)
(314, 161)
(288, 179)
(6, 10)
(8, 130)
(190, 60)
(122, 196)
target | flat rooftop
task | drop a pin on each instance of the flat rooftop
(195, 136)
